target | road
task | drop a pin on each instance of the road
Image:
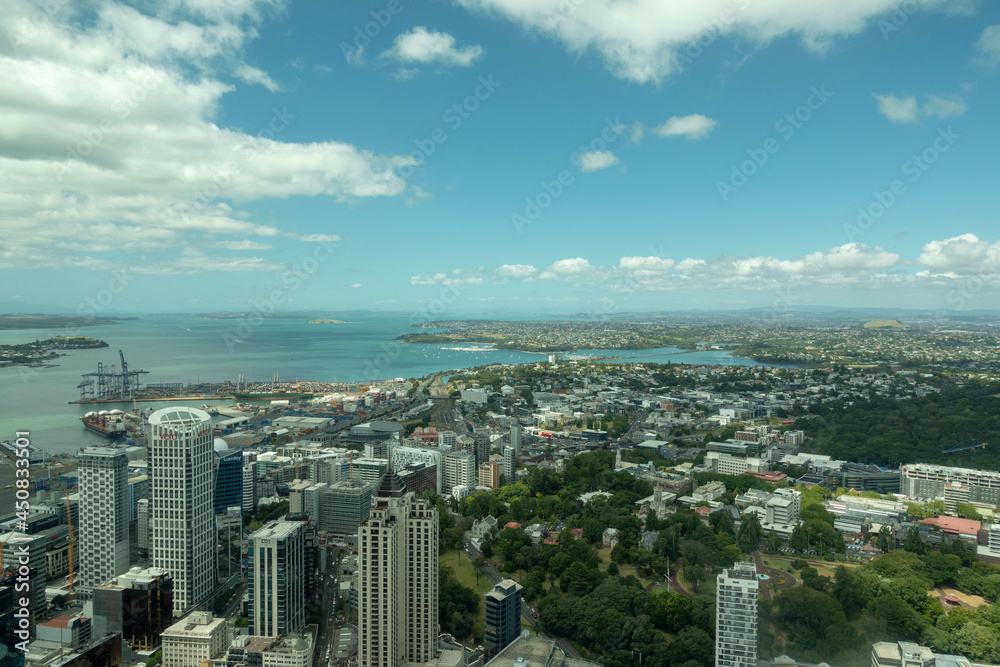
(527, 611)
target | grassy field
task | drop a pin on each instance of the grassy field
(465, 574)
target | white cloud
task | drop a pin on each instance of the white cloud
(849, 265)
(648, 40)
(906, 109)
(944, 108)
(109, 140)
(258, 76)
(635, 136)
(425, 47)
(988, 47)
(645, 264)
(694, 126)
(966, 253)
(355, 286)
(898, 109)
(597, 160)
(517, 271)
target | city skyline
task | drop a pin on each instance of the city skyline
(515, 158)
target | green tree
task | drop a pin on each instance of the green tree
(913, 543)
(750, 533)
(978, 643)
(885, 540)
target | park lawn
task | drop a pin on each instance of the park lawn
(624, 569)
(465, 572)
(707, 586)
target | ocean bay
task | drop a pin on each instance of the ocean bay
(191, 349)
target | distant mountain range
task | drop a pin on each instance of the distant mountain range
(780, 313)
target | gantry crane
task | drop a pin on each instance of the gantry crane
(966, 445)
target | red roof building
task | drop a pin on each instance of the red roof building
(513, 524)
(953, 525)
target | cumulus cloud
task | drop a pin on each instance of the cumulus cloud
(852, 264)
(424, 47)
(597, 160)
(898, 109)
(694, 126)
(109, 139)
(648, 40)
(988, 47)
(906, 109)
(966, 253)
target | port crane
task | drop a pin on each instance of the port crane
(107, 383)
(967, 445)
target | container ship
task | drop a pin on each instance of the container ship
(110, 424)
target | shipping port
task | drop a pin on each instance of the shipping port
(108, 384)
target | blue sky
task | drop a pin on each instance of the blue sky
(193, 155)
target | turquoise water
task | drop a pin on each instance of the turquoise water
(191, 349)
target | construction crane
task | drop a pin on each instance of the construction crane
(966, 445)
(70, 540)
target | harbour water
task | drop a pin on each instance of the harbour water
(192, 349)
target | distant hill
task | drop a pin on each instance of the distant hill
(884, 324)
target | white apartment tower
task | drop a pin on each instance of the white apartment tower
(509, 464)
(515, 438)
(736, 616)
(181, 467)
(277, 579)
(398, 578)
(104, 515)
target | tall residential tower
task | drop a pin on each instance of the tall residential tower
(736, 616)
(398, 578)
(104, 515)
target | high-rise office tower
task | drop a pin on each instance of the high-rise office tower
(515, 438)
(503, 616)
(104, 515)
(736, 616)
(180, 458)
(277, 579)
(398, 578)
(249, 483)
(227, 466)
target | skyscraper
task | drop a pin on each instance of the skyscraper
(227, 477)
(180, 457)
(509, 464)
(104, 515)
(277, 579)
(515, 438)
(503, 616)
(398, 578)
(736, 616)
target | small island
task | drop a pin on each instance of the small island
(324, 321)
(39, 352)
